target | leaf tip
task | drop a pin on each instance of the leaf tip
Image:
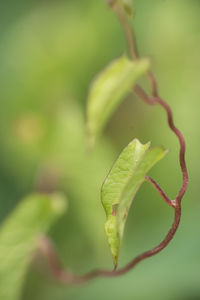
(137, 142)
(113, 238)
(145, 63)
(163, 150)
(115, 262)
(126, 5)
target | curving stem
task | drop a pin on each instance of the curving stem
(65, 277)
(46, 245)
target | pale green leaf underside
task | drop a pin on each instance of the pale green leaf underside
(19, 237)
(108, 90)
(121, 185)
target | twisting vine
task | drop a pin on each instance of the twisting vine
(47, 247)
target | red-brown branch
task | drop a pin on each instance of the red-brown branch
(46, 245)
(65, 277)
(161, 192)
(157, 100)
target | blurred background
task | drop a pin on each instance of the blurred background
(49, 53)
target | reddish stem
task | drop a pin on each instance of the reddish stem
(160, 191)
(46, 245)
(157, 100)
(50, 254)
(181, 139)
(65, 277)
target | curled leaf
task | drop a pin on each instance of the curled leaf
(127, 5)
(121, 186)
(108, 90)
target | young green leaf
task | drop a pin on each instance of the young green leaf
(19, 237)
(108, 90)
(127, 5)
(121, 185)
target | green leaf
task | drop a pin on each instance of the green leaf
(127, 5)
(121, 186)
(108, 90)
(19, 237)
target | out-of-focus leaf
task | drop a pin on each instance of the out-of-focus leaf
(108, 90)
(121, 185)
(19, 237)
(127, 5)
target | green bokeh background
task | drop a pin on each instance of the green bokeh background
(49, 53)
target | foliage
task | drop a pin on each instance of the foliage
(108, 90)
(121, 186)
(19, 238)
(48, 55)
